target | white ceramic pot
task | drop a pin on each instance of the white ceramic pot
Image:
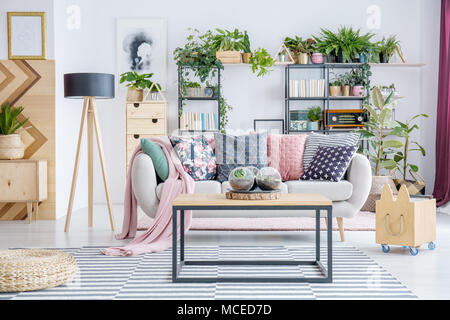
(11, 147)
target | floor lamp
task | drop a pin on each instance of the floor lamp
(89, 86)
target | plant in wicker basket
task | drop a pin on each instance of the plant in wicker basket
(11, 146)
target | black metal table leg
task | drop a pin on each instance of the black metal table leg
(317, 235)
(181, 235)
(174, 245)
(330, 246)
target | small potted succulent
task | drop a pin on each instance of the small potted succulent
(314, 118)
(282, 56)
(11, 145)
(335, 88)
(241, 179)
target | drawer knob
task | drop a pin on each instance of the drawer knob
(136, 136)
(154, 120)
(136, 105)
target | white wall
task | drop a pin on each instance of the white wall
(93, 48)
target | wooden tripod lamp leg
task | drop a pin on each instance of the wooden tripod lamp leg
(75, 169)
(102, 162)
(90, 145)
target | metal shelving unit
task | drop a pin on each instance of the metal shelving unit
(181, 98)
(325, 73)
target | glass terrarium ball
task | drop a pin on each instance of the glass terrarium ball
(241, 178)
(255, 171)
(268, 178)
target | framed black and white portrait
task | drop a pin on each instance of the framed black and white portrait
(142, 47)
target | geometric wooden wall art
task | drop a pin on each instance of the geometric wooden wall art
(31, 84)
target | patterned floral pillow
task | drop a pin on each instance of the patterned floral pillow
(196, 156)
(329, 163)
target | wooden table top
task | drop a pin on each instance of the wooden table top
(286, 199)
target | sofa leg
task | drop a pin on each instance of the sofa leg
(340, 222)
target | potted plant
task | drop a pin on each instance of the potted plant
(358, 82)
(401, 158)
(387, 47)
(344, 44)
(345, 81)
(335, 88)
(314, 117)
(261, 61)
(227, 45)
(300, 49)
(11, 146)
(136, 84)
(282, 56)
(378, 131)
(247, 52)
(192, 89)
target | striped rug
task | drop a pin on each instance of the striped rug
(356, 276)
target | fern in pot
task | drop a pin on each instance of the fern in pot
(11, 146)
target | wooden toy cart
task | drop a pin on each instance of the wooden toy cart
(404, 221)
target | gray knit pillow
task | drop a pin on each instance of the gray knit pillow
(315, 140)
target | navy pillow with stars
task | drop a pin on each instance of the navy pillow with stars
(329, 163)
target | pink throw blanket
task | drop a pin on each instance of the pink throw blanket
(158, 237)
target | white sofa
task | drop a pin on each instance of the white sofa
(348, 195)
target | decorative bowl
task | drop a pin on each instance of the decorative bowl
(268, 178)
(241, 179)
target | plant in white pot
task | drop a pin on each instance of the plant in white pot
(378, 131)
(11, 146)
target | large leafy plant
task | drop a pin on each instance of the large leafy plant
(404, 130)
(226, 40)
(137, 81)
(346, 40)
(9, 123)
(378, 130)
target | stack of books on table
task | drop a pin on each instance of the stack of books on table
(198, 121)
(307, 88)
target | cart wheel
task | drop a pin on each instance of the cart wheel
(385, 248)
(413, 251)
(432, 245)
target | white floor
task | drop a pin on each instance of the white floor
(427, 274)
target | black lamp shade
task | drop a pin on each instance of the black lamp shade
(80, 85)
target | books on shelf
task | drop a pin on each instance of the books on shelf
(198, 121)
(307, 88)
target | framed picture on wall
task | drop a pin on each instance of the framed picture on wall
(142, 47)
(27, 35)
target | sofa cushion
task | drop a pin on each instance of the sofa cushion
(239, 151)
(158, 157)
(335, 191)
(209, 186)
(315, 140)
(329, 163)
(226, 187)
(285, 153)
(196, 156)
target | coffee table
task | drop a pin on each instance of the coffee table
(218, 202)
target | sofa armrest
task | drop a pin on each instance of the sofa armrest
(359, 174)
(144, 184)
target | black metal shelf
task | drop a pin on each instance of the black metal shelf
(324, 69)
(181, 99)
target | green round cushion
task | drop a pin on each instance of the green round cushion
(158, 157)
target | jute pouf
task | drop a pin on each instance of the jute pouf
(35, 269)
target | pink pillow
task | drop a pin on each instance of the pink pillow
(285, 153)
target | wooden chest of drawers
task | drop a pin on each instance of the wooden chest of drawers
(145, 119)
(24, 181)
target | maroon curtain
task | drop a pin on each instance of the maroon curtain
(442, 182)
